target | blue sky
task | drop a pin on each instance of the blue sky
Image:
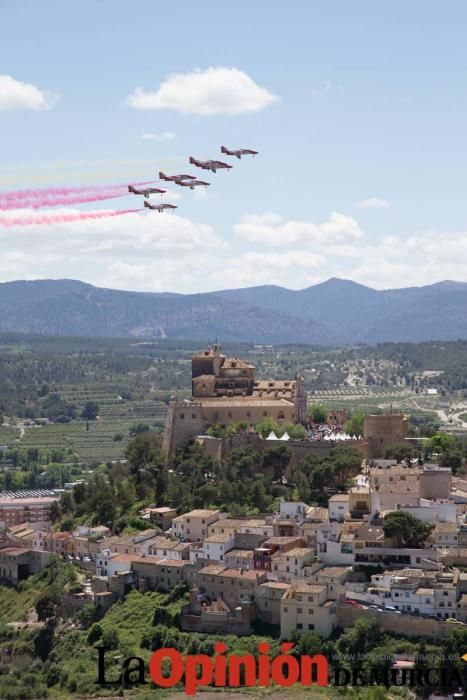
(361, 170)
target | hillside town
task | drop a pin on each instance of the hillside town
(391, 545)
(304, 567)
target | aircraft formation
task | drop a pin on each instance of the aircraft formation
(190, 181)
(35, 199)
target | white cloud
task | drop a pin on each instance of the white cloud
(16, 95)
(254, 268)
(210, 91)
(373, 203)
(168, 252)
(90, 247)
(163, 136)
(270, 229)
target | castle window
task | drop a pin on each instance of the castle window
(182, 416)
(265, 413)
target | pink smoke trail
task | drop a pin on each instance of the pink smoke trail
(60, 200)
(40, 219)
(53, 196)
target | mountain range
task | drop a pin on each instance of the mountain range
(331, 313)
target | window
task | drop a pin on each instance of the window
(299, 610)
(311, 627)
(182, 416)
(286, 610)
(299, 626)
(193, 416)
(311, 611)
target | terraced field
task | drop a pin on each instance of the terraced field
(94, 441)
(360, 398)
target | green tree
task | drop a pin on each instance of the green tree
(442, 442)
(95, 633)
(144, 452)
(405, 529)
(354, 425)
(400, 451)
(237, 427)
(277, 459)
(296, 430)
(318, 413)
(46, 606)
(265, 426)
(90, 410)
(217, 430)
(55, 512)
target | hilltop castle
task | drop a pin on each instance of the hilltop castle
(224, 391)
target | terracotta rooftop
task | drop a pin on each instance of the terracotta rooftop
(198, 513)
(232, 523)
(13, 551)
(311, 588)
(219, 537)
(331, 571)
(425, 591)
(295, 552)
(241, 401)
(213, 570)
(281, 541)
(240, 553)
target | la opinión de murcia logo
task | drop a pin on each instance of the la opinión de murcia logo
(168, 668)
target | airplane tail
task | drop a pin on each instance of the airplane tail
(146, 204)
(130, 188)
(223, 149)
(162, 176)
(192, 160)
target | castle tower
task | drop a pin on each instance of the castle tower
(300, 399)
(183, 422)
(208, 362)
(384, 430)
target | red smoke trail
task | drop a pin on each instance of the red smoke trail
(60, 200)
(39, 219)
(53, 196)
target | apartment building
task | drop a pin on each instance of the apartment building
(233, 585)
(16, 508)
(194, 526)
(288, 565)
(305, 607)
